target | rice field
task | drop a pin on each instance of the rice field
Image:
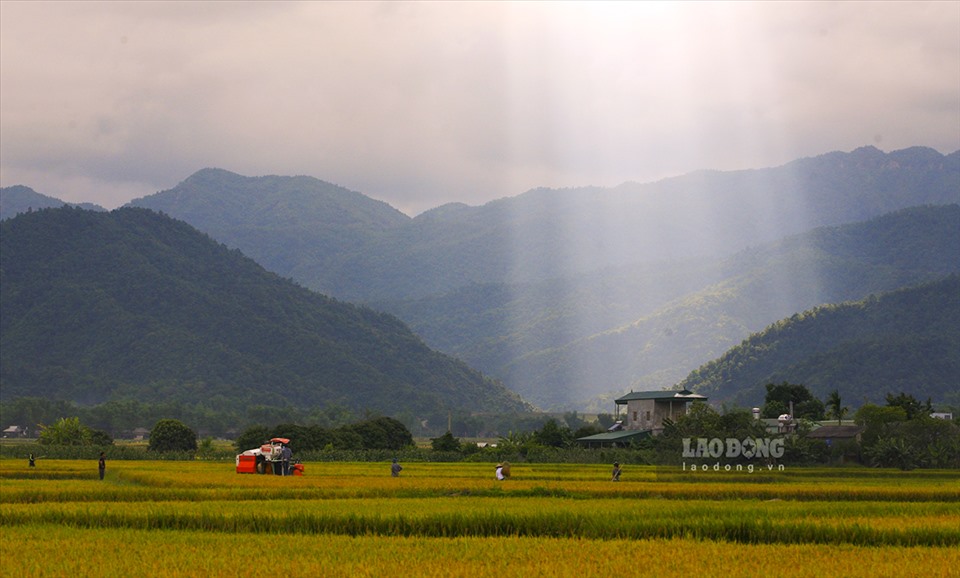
(153, 518)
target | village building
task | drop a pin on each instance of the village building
(641, 414)
(14, 431)
(613, 439)
(646, 410)
(842, 440)
(836, 433)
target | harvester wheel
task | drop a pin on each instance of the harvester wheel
(261, 465)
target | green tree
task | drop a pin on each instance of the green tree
(779, 397)
(381, 433)
(170, 435)
(553, 435)
(251, 438)
(605, 420)
(835, 403)
(893, 452)
(67, 431)
(446, 443)
(100, 438)
(911, 405)
(573, 421)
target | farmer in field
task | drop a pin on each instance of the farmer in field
(285, 454)
(32, 461)
(395, 468)
(102, 464)
(616, 471)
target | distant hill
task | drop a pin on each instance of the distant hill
(355, 248)
(562, 342)
(132, 304)
(20, 199)
(904, 341)
(566, 295)
(298, 227)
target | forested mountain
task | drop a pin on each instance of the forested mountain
(562, 342)
(346, 245)
(298, 227)
(567, 295)
(904, 341)
(132, 304)
(20, 199)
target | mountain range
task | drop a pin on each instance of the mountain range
(884, 344)
(573, 296)
(132, 304)
(352, 247)
(21, 199)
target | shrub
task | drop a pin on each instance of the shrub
(68, 431)
(172, 435)
(251, 438)
(445, 443)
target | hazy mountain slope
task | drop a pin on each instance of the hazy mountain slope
(546, 234)
(133, 304)
(700, 322)
(495, 323)
(20, 199)
(904, 341)
(297, 227)
(375, 253)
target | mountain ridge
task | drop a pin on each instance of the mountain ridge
(916, 326)
(523, 265)
(132, 304)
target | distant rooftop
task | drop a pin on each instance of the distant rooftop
(835, 432)
(622, 437)
(675, 395)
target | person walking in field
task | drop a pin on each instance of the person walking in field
(33, 461)
(395, 468)
(285, 454)
(616, 471)
(102, 464)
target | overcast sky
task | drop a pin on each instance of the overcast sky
(424, 103)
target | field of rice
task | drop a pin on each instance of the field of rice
(153, 518)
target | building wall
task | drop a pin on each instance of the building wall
(643, 414)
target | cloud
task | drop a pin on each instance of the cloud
(424, 103)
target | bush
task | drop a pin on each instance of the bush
(252, 437)
(381, 433)
(445, 443)
(170, 435)
(69, 431)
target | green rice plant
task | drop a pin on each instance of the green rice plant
(47, 550)
(930, 524)
(201, 518)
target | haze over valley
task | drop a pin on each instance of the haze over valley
(572, 297)
(260, 211)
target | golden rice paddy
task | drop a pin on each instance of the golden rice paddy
(152, 518)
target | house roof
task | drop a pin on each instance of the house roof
(615, 436)
(674, 395)
(835, 432)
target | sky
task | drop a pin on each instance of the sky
(424, 103)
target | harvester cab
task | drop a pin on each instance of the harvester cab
(273, 457)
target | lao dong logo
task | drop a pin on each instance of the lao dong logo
(722, 450)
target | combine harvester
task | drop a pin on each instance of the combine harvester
(270, 458)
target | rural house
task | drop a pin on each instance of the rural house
(15, 431)
(646, 410)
